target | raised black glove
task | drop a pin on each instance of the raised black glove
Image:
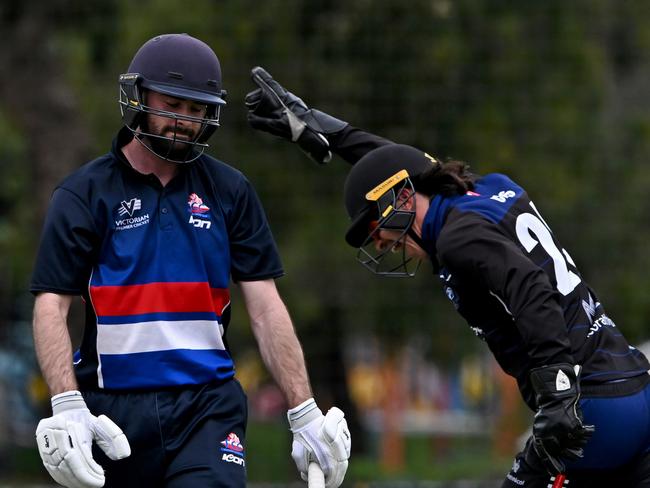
(558, 431)
(273, 109)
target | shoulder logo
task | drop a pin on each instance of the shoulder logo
(127, 208)
(502, 196)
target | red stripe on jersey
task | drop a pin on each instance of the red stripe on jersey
(158, 297)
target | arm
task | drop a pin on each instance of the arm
(276, 339)
(475, 249)
(481, 253)
(324, 439)
(273, 109)
(65, 439)
(52, 341)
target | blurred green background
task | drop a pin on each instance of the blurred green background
(554, 93)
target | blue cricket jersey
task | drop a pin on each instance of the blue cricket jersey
(153, 265)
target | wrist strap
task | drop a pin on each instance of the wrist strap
(303, 414)
(67, 400)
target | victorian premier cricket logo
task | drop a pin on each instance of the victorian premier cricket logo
(127, 211)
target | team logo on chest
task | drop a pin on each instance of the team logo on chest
(127, 218)
(129, 207)
(199, 212)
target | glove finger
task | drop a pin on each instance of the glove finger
(271, 125)
(333, 419)
(553, 465)
(49, 451)
(72, 464)
(588, 430)
(57, 475)
(252, 99)
(300, 456)
(335, 432)
(580, 437)
(573, 454)
(77, 474)
(264, 80)
(336, 475)
(110, 438)
(81, 450)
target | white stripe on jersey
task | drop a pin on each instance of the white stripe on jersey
(161, 335)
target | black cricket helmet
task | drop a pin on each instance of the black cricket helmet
(376, 191)
(183, 67)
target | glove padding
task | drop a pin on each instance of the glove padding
(324, 439)
(558, 431)
(273, 109)
(65, 442)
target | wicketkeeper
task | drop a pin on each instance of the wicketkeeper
(507, 274)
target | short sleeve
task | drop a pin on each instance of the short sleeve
(69, 244)
(253, 252)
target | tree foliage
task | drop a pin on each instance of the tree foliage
(554, 93)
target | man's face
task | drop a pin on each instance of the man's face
(176, 130)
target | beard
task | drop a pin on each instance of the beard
(165, 146)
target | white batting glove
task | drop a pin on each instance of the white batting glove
(324, 439)
(65, 442)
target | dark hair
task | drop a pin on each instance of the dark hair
(447, 178)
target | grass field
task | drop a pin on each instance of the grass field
(427, 463)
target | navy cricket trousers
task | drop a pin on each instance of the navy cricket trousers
(182, 437)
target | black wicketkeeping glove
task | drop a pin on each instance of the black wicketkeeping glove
(273, 109)
(558, 431)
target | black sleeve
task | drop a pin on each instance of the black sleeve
(69, 245)
(253, 252)
(476, 250)
(352, 143)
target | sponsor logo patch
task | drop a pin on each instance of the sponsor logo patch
(196, 204)
(233, 450)
(199, 212)
(503, 196)
(126, 215)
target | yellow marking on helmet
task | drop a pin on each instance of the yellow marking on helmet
(134, 102)
(433, 160)
(376, 193)
(388, 210)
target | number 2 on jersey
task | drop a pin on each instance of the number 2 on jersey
(532, 230)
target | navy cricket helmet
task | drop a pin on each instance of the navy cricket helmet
(180, 66)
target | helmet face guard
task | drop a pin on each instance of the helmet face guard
(179, 66)
(391, 260)
(134, 112)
